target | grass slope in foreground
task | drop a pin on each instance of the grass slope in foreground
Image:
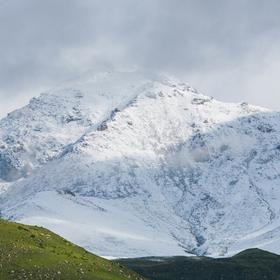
(28, 252)
(252, 264)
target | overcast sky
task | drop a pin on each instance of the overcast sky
(229, 49)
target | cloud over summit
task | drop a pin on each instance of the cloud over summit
(228, 49)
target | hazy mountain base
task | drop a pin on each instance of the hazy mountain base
(35, 253)
(252, 264)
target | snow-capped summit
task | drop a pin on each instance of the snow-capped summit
(130, 164)
(34, 134)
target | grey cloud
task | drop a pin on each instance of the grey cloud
(227, 48)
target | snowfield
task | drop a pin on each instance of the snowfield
(129, 164)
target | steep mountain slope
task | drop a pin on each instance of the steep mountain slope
(158, 170)
(35, 253)
(251, 264)
(31, 136)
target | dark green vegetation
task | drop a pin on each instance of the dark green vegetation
(28, 252)
(35, 253)
(253, 264)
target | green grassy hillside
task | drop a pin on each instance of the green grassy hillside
(35, 253)
(28, 252)
(253, 264)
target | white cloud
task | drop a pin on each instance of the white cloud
(226, 48)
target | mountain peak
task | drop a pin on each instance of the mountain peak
(130, 162)
(36, 133)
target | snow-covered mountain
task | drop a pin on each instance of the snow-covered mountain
(130, 164)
